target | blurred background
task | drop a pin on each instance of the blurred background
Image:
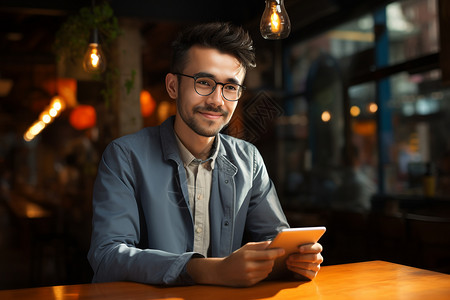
(351, 113)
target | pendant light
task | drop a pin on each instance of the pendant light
(275, 23)
(94, 59)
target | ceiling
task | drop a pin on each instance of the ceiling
(28, 27)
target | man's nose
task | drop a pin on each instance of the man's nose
(216, 96)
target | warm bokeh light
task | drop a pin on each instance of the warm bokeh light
(83, 117)
(355, 111)
(164, 110)
(46, 117)
(365, 128)
(148, 103)
(28, 136)
(67, 90)
(57, 104)
(326, 116)
(53, 112)
(373, 108)
(37, 127)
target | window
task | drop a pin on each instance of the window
(392, 117)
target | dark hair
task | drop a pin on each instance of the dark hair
(225, 37)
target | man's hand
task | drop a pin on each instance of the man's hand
(245, 267)
(307, 262)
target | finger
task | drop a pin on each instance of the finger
(304, 266)
(311, 248)
(268, 254)
(259, 251)
(310, 258)
(257, 245)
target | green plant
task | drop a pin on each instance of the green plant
(72, 40)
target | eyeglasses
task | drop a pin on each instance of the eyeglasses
(205, 86)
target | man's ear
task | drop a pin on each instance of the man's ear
(172, 85)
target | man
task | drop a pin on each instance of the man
(176, 204)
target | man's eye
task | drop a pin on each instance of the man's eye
(231, 87)
(204, 82)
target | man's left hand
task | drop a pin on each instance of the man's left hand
(307, 261)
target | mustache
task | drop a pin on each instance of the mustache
(210, 108)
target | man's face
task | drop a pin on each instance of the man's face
(207, 115)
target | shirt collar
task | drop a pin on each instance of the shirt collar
(188, 158)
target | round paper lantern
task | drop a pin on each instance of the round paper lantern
(83, 117)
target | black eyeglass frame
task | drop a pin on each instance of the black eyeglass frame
(214, 88)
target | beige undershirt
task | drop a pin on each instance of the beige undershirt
(199, 178)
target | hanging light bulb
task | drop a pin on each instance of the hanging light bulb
(94, 59)
(275, 22)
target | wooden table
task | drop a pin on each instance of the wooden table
(366, 280)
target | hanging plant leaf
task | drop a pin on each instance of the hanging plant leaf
(72, 38)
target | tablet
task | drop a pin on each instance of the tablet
(289, 239)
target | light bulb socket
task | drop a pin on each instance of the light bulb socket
(94, 37)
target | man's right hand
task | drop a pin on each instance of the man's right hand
(245, 267)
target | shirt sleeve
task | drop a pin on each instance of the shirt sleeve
(114, 253)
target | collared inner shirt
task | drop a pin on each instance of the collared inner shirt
(199, 178)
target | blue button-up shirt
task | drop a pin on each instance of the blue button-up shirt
(143, 227)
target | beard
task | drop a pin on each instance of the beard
(212, 128)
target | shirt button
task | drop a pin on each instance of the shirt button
(198, 230)
(199, 197)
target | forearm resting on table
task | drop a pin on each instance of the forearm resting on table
(253, 263)
(205, 270)
(244, 267)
